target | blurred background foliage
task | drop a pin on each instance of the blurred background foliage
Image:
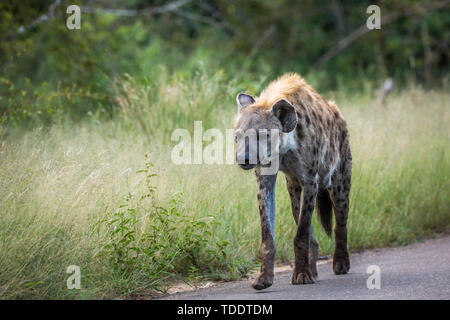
(49, 72)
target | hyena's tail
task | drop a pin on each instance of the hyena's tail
(324, 207)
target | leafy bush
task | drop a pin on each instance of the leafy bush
(163, 243)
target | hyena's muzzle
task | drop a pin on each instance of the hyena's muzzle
(253, 148)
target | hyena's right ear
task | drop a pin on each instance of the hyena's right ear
(244, 100)
(286, 114)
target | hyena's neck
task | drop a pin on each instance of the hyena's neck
(288, 141)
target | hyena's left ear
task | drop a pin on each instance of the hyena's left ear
(244, 100)
(285, 112)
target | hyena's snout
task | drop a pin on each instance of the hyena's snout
(254, 150)
(247, 155)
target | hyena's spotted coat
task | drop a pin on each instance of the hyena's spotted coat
(314, 154)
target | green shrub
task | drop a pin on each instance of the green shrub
(161, 244)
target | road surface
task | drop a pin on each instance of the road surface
(418, 271)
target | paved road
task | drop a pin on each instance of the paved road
(418, 271)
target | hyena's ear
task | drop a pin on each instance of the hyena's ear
(285, 112)
(243, 100)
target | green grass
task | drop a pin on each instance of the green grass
(85, 194)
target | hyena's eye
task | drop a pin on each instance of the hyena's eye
(237, 135)
(267, 136)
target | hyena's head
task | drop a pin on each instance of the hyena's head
(259, 129)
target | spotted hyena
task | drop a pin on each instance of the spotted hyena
(311, 144)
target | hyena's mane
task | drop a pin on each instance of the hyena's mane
(282, 88)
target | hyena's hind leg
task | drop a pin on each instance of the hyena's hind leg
(295, 192)
(340, 198)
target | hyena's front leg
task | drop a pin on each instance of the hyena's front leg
(302, 271)
(267, 211)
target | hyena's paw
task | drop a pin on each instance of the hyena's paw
(262, 281)
(314, 273)
(341, 263)
(304, 277)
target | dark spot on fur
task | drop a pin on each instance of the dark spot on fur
(308, 121)
(300, 133)
(336, 114)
